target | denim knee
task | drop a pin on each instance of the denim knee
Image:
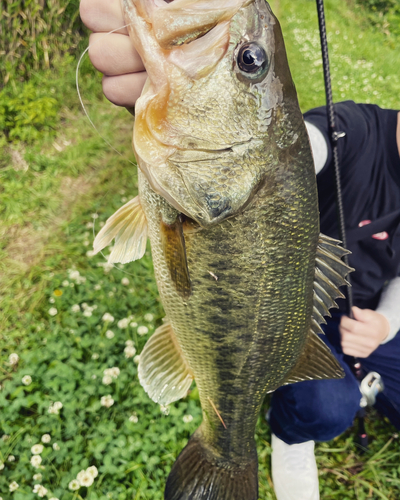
(316, 410)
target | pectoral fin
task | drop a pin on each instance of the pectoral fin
(163, 371)
(173, 242)
(316, 361)
(129, 228)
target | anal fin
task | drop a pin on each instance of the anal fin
(315, 363)
(129, 228)
(163, 371)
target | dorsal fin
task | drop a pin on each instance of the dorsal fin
(316, 361)
(129, 228)
(163, 371)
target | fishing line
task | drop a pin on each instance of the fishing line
(80, 97)
(97, 130)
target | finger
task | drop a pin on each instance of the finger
(367, 342)
(350, 324)
(355, 351)
(114, 54)
(124, 90)
(363, 315)
(102, 15)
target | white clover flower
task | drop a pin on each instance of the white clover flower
(56, 447)
(40, 490)
(55, 407)
(53, 311)
(148, 317)
(133, 418)
(125, 281)
(107, 380)
(123, 323)
(94, 377)
(89, 225)
(107, 267)
(164, 409)
(13, 358)
(13, 486)
(65, 283)
(90, 253)
(1, 465)
(73, 274)
(108, 318)
(46, 438)
(27, 380)
(93, 471)
(52, 300)
(129, 351)
(36, 460)
(187, 418)
(97, 287)
(80, 280)
(133, 325)
(74, 485)
(95, 355)
(11, 458)
(85, 478)
(142, 330)
(76, 308)
(107, 401)
(110, 334)
(37, 449)
(113, 372)
(129, 342)
(136, 359)
(5, 437)
(87, 313)
(95, 216)
(37, 477)
(111, 294)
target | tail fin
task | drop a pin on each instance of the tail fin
(198, 474)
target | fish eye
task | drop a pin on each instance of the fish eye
(252, 59)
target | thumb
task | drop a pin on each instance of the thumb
(363, 315)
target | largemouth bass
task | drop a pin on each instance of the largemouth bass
(228, 197)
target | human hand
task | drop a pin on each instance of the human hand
(113, 55)
(363, 334)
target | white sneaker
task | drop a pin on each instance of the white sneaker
(294, 470)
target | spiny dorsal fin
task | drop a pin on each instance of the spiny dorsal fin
(330, 274)
(315, 363)
(163, 371)
(129, 228)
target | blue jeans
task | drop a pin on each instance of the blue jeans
(320, 410)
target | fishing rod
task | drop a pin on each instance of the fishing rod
(371, 384)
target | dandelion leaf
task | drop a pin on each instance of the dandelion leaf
(129, 228)
(163, 371)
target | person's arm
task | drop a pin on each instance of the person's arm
(319, 147)
(113, 54)
(389, 306)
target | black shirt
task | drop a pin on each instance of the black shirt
(370, 178)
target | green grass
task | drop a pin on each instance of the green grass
(54, 186)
